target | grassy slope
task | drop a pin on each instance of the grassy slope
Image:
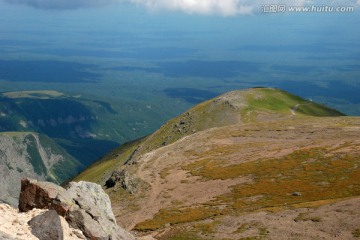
(276, 100)
(108, 163)
(217, 112)
(322, 175)
(250, 107)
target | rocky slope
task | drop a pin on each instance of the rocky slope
(48, 211)
(14, 225)
(31, 155)
(253, 164)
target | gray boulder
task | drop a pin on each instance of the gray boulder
(94, 214)
(125, 179)
(47, 226)
(84, 205)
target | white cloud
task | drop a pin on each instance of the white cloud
(205, 7)
(223, 7)
(230, 7)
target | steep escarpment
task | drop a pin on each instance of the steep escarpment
(258, 163)
(31, 155)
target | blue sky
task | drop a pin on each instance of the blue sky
(207, 7)
(64, 21)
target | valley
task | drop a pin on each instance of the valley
(50, 135)
(201, 120)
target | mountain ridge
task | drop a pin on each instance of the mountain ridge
(236, 111)
(278, 152)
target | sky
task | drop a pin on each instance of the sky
(221, 7)
(157, 45)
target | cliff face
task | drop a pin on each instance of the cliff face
(31, 155)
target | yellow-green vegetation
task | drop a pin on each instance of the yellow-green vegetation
(261, 230)
(176, 216)
(15, 134)
(278, 101)
(181, 235)
(220, 152)
(231, 108)
(185, 236)
(206, 228)
(317, 173)
(270, 99)
(252, 238)
(356, 233)
(227, 109)
(127, 200)
(306, 217)
(164, 172)
(246, 226)
(33, 94)
(204, 116)
(108, 163)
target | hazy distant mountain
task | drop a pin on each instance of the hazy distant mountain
(252, 164)
(46, 135)
(27, 154)
(87, 128)
(73, 122)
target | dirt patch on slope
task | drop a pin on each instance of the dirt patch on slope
(178, 180)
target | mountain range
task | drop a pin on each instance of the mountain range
(259, 163)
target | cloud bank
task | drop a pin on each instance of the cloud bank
(222, 7)
(232, 7)
(205, 7)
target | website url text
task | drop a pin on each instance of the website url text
(281, 8)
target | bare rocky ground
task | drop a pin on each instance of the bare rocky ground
(174, 184)
(338, 220)
(14, 224)
(253, 164)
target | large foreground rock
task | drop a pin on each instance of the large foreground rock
(84, 205)
(44, 195)
(47, 226)
(34, 225)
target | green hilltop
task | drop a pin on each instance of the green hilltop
(240, 106)
(254, 151)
